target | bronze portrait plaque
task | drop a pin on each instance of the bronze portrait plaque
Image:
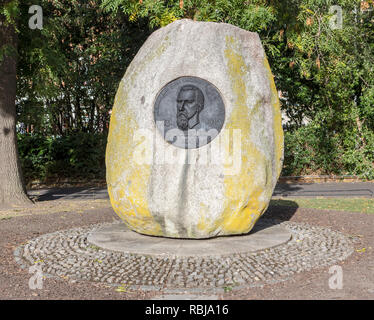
(189, 112)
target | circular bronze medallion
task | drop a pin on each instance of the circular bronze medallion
(189, 112)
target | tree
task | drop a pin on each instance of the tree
(12, 190)
(69, 71)
(325, 74)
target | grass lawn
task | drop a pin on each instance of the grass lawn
(362, 205)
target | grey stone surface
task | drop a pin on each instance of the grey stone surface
(117, 237)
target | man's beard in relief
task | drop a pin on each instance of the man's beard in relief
(182, 121)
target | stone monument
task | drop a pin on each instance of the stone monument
(195, 144)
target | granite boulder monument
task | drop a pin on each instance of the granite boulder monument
(195, 143)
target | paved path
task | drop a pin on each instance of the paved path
(330, 189)
(342, 189)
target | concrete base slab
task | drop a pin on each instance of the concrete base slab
(117, 237)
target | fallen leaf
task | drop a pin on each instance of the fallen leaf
(123, 288)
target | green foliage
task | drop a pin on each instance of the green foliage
(327, 78)
(249, 15)
(69, 71)
(6, 50)
(313, 149)
(8, 15)
(10, 10)
(79, 155)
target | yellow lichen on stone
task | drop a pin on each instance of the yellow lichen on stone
(205, 224)
(130, 201)
(239, 216)
(277, 120)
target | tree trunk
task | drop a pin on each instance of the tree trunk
(12, 189)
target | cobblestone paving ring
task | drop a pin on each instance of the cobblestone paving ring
(68, 254)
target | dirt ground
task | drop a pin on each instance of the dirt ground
(18, 226)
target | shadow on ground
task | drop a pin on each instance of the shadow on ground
(275, 214)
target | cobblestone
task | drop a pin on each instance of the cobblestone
(68, 254)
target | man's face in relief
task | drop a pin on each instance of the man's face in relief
(188, 108)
